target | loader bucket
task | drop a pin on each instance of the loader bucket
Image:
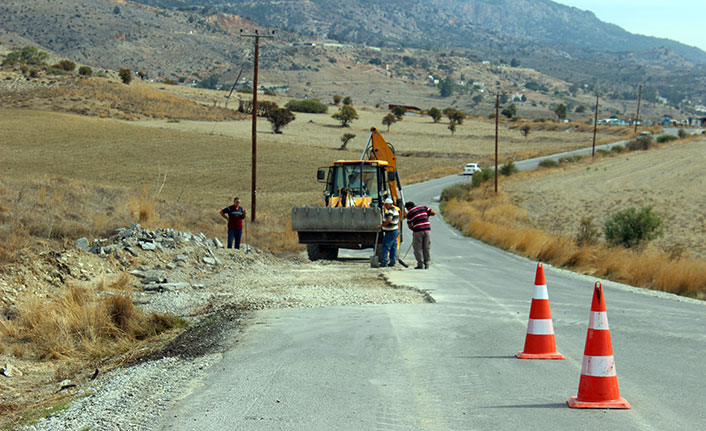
(328, 219)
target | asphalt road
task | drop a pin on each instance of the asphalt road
(450, 365)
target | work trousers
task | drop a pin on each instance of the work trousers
(234, 238)
(421, 241)
(389, 247)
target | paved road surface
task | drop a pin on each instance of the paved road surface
(450, 365)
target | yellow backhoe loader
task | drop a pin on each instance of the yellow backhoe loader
(353, 197)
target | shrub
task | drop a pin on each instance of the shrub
(279, 118)
(588, 234)
(630, 227)
(125, 76)
(56, 70)
(640, 143)
(26, 55)
(617, 149)
(169, 82)
(666, 138)
(67, 65)
(85, 71)
(347, 100)
(337, 99)
(548, 163)
(435, 114)
(508, 168)
(313, 106)
(603, 152)
(482, 176)
(682, 134)
(457, 191)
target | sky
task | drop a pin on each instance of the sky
(680, 20)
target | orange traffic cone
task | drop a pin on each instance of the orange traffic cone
(539, 342)
(598, 386)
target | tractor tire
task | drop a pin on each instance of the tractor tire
(317, 252)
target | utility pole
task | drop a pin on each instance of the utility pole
(595, 126)
(253, 195)
(639, 98)
(497, 119)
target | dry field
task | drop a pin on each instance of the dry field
(672, 179)
(206, 163)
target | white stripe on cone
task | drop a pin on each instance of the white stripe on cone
(598, 366)
(598, 320)
(540, 327)
(540, 292)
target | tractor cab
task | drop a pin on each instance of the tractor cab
(358, 183)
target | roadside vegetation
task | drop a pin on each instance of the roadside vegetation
(621, 249)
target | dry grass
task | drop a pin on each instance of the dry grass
(497, 222)
(80, 323)
(108, 99)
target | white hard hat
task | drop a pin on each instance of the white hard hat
(388, 201)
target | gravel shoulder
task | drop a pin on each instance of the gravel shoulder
(220, 300)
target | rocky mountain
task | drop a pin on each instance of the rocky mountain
(432, 24)
(189, 40)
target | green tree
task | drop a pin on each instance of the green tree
(85, 71)
(345, 115)
(279, 118)
(514, 62)
(446, 87)
(631, 227)
(389, 120)
(452, 127)
(337, 99)
(560, 111)
(455, 116)
(510, 111)
(347, 100)
(27, 55)
(345, 139)
(125, 76)
(399, 112)
(116, 10)
(435, 114)
(211, 82)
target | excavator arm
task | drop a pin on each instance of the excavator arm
(379, 149)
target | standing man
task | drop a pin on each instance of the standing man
(418, 222)
(390, 227)
(235, 214)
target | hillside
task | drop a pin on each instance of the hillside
(472, 42)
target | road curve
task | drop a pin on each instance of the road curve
(450, 365)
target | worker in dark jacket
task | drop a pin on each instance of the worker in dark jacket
(235, 214)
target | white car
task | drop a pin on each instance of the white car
(471, 168)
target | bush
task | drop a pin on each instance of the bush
(67, 65)
(508, 168)
(617, 149)
(587, 234)
(279, 118)
(666, 138)
(457, 191)
(548, 163)
(630, 227)
(56, 70)
(26, 55)
(482, 176)
(640, 143)
(682, 134)
(85, 71)
(603, 152)
(313, 106)
(125, 76)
